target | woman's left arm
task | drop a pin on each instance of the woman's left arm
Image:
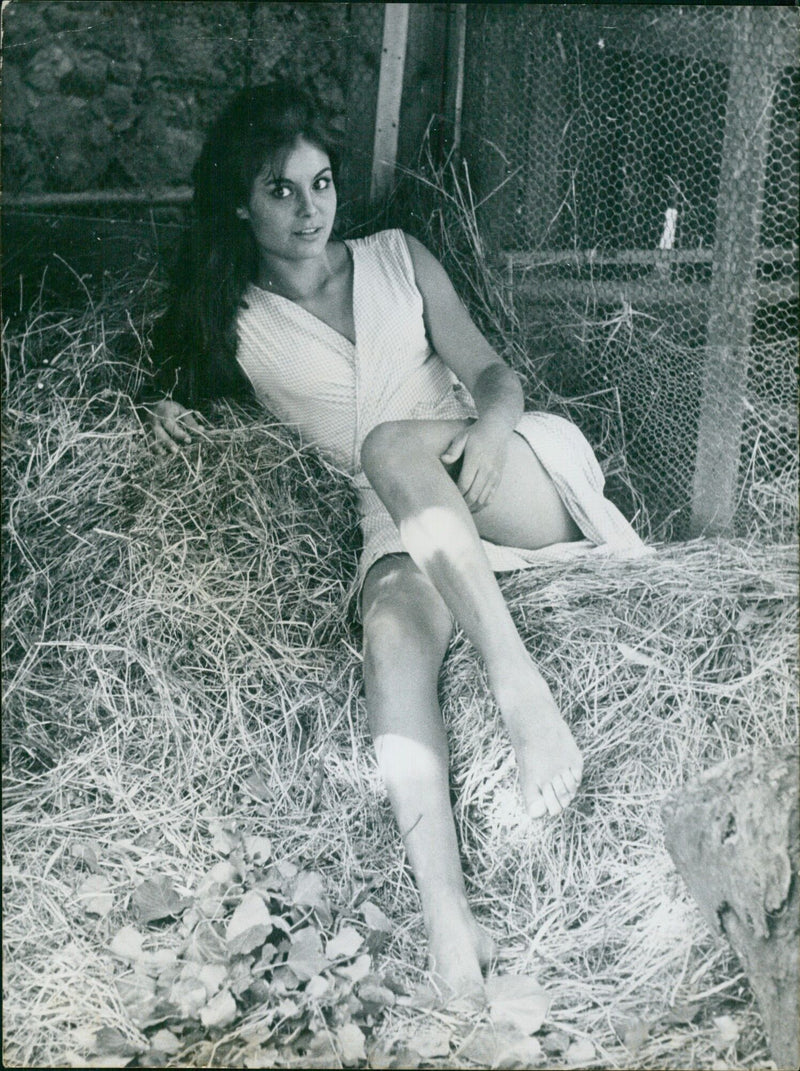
(494, 387)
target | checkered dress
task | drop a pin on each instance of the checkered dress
(333, 393)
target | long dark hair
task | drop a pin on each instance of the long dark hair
(194, 343)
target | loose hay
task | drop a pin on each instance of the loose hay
(178, 647)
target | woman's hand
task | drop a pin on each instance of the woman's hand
(170, 423)
(484, 447)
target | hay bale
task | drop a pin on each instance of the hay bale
(733, 834)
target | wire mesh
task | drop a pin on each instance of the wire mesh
(639, 169)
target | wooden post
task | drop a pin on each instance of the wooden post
(734, 836)
(390, 92)
(732, 297)
(365, 30)
(454, 78)
(423, 83)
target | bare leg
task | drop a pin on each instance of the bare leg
(406, 631)
(401, 460)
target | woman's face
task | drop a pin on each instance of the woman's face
(291, 215)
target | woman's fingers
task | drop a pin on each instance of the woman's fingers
(175, 427)
(455, 449)
(187, 418)
(163, 441)
(478, 487)
(171, 425)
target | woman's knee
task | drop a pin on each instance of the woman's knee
(383, 444)
(406, 623)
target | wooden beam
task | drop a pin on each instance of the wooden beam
(591, 257)
(733, 288)
(651, 291)
(390, 93)
(171, 195)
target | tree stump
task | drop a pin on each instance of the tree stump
(733, 835)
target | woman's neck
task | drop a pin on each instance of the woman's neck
(297, 279)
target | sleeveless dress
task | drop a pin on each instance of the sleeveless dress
(333, 393)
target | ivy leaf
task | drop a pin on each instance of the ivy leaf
(345, 944)
(160, 962)
(308, 890)
(257, 849)
(137, 992)
(501, 1048)
(430, 1040)
(288, 1009)
(393, 1057)
(110, 1041)
(223, 840)
(378, 926)
(256, 1056)
(258, 787)
(726, 1033)
(189, 995)
(223, 873)
(633, 1034)
(517, 1001)
(249, 926)
(96, 895)
(373, 995)
(305, 956)
(86, 854)
(375, 918)
(240, 975)
(220, 1010)
(580, 1053)
(351, 1043)
(357, 970)
(127, 943)
(164, 1041)
(204, 944)
(156, 899)
(554, 1042)
(318, 987)
(320, 1051)
(683, 1013)
(212, 975)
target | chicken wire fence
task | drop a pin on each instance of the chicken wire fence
(639, 168)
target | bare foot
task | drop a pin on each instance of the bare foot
(460, 952)
(548, 760)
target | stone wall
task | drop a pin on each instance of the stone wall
(100, 95)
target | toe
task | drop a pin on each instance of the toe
(537, 807)
(572, 778)
(551, 799)
(563, 791)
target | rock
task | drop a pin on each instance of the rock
(87, 76)
(48, 67)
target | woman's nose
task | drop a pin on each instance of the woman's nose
(306, 205)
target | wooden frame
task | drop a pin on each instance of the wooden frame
(390, 94)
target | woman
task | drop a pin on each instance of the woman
(364, 348)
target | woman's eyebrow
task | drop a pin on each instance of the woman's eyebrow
(279, 180)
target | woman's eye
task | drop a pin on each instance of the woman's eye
(280, 192)
(323, 183)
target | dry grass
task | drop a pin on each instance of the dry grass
(178, 646)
